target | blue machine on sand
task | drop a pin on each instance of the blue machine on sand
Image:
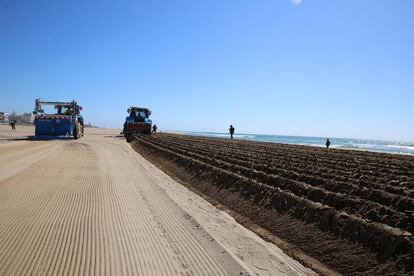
(138, 121)
(67, 120)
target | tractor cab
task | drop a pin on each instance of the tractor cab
(139, 114)
(65, 109)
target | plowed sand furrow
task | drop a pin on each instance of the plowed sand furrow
(191, 250)
(157, 251)
(184, 265)
(124, 218)
(49, 220)
(294, 153)
(81, 197)
(104, 230)
(152, 258)
(95, 234)
(141, 193)
(186, 241)
(49, 217)
(65, 229)
(38, 265)
(189, 245)
(68, 206)
(41, 237)
(107, 225)
(75, 261)
(87, 208)
(182, 246)
(130, 245)
(128, 206)
(19, 239)
(26, 224)
(156, 254)
(87, 240)
(113, 221)
(155, 261)
(118, 235)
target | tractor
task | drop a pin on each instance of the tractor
(66, 121)
(138, 122)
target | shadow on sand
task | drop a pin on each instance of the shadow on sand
(48, 138)
(36, 138)
(115, 136)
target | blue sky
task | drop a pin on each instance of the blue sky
(340, 68)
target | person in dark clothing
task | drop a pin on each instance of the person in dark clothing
(328, 143)
(13, 124)
(231, 129)
(154, 129)
(139, 118)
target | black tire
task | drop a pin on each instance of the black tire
(76, 132)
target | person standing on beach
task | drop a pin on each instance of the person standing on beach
(231, 129)
(13, 124)
(154, 129)
(328, 143)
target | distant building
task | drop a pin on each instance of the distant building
(25, 118)
(4, 118)
(90, 125)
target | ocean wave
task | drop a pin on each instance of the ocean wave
(224, 135)
(401, 147)
(341, 143)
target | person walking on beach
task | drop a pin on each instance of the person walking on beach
(13, 124)
(231, 129)
(154, 129)
(328, 143)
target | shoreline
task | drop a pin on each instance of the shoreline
(251, 137)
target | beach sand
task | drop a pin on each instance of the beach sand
(344, 210)
(94, 206)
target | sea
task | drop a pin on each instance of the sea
(341, 143)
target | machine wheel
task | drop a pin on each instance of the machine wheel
(76, 132)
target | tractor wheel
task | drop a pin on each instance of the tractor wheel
(76, 132)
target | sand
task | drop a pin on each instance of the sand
(96, 207)
(349, 210)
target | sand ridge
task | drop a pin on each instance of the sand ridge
(96, 207)
(350, 210)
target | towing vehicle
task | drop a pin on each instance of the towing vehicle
(137, 122)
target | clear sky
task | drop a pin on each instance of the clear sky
(336, 68)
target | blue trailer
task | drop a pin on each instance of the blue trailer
(66, 121)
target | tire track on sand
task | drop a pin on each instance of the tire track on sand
(192, 257)
(87, 209)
